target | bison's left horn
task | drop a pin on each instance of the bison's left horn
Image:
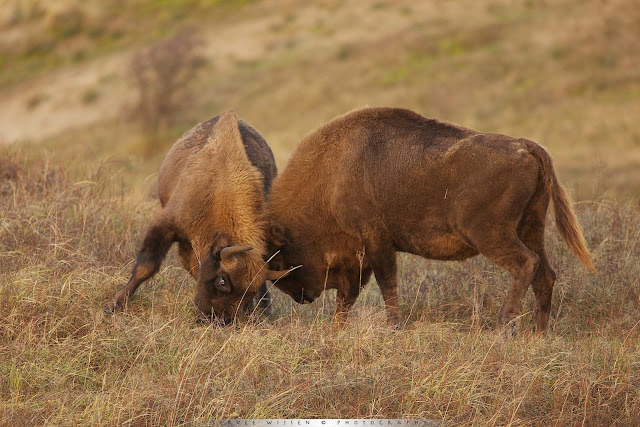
(226, 255)
(274, 275)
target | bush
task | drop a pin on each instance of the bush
(65, 23)
(162, 74)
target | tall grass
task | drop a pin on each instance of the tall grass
(67, 242)
(560, 73)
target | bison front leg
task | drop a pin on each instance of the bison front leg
(263, 299)
(344, 302)
(388, 283)
(352, 282)
(385, 269)
(380, 255)
(154, 249)
(260, 305)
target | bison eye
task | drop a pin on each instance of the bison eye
(221, 285)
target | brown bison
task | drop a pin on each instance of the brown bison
(212, 186)
(377, 181)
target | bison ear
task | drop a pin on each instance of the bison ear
(277, 235)
(222, 285)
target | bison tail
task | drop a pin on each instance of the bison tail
(566, 221)
(568, 226)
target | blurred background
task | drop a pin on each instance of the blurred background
(119, 81)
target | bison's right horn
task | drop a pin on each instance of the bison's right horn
(226, 254)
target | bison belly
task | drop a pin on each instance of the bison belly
(432, 244)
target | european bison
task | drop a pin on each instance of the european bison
(212, 186)
(380, 180)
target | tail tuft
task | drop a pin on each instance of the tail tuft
(569, 227)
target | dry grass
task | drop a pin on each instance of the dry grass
(73, 207)
(67, 241)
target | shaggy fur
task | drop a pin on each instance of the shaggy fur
(212, 187)
(380, 180)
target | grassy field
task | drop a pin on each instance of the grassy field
(68, 244)
(77, 190)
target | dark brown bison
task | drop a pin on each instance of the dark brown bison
(377, 181)
(212, 187)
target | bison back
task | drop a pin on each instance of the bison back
(403, 177)
(257, 149)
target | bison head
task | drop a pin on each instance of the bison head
(303, 284)
(228, 280)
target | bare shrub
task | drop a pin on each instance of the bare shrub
(14, 12)
(161, 74)
(66, 22)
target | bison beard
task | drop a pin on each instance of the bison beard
(380, 180)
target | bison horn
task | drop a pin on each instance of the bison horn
(274, 275)
(226, 254)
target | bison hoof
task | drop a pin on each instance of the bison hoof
(398, 326)
(508, 330)
(395, 322)
(110, 308)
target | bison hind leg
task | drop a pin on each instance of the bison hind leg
(532, 235)
(522, 263)
(543, 289)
